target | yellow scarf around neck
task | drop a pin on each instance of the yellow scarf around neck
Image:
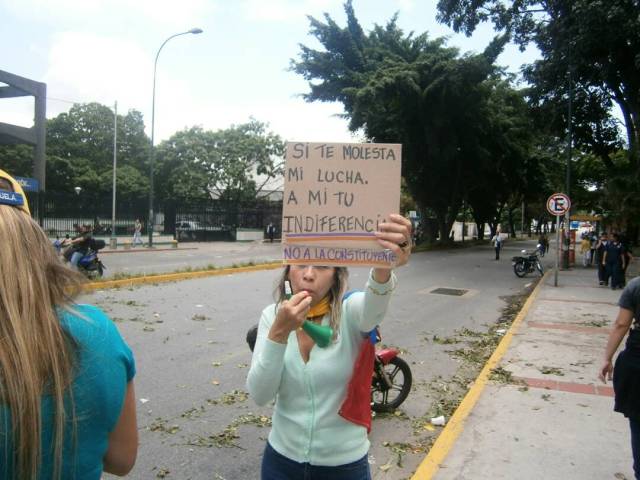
(323, 307)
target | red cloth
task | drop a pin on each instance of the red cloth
(356, 408)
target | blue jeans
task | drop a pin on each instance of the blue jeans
(635, 446)
(75, 258)
(278, 467)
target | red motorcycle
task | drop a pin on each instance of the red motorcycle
(391, 380)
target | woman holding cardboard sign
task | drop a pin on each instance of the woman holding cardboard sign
(320, 424)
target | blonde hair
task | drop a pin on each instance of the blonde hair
(37, 357)
(336, 292)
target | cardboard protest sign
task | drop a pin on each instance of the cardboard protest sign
(335, 195)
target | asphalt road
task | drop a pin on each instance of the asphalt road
(194, 416)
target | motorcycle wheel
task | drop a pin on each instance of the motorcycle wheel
(385, 399)
(539, 268)
(519, 269)
(100, 269)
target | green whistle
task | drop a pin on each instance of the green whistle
(321, 334)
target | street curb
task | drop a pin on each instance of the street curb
(175, 277)
(446, 440)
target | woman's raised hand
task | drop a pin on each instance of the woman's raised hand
(395, 235)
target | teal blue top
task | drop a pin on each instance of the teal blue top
(306, 424)
(105, 366)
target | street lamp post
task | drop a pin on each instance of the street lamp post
(114, 241)
(153, 116)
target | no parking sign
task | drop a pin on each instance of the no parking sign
(558, 204)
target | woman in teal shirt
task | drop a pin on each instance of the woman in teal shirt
(67, 404)
(309, 438)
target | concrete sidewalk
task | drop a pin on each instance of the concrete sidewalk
(538, 410)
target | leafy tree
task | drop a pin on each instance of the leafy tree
(80, 151)
(598, 42)
(17, 159)
(451, 113)
(232, 164)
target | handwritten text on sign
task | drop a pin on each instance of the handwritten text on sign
(335, 195)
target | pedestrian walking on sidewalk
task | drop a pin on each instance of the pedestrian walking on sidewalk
(626, 373)
(67, 405)
(497, 244)
(320, 422)
(137, 233)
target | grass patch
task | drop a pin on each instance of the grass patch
(594, 323)
(227, 437)
(230, 398)
(400, 449)
(551, 371)
(501, 375)
(161, 425)
(444, 341)
(446, 394)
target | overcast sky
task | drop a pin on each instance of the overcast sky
(103, 51)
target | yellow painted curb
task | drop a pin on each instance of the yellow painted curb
(175, 277)
(431, 464)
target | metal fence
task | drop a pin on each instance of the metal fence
(61, 214)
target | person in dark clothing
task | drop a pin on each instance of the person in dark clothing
(593, 239)
(601, 246)
(271, 231)
(628, 256)
(626, 373)
(614, 261)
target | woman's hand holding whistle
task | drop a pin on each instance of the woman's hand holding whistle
(291, 315)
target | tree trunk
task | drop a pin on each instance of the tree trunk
(632, 124)
(512, 224)
(446, 217)
(428, 232)
(480, 227)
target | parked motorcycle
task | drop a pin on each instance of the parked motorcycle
(391, 380)
(528, 262)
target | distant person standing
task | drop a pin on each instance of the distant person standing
(137, 232)
(541, 246)
(628, 256)
(585, 250)
(626, 373)
(271, 231)
(593, 238)
(614, 261)
(497, 244)
(601, 246)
